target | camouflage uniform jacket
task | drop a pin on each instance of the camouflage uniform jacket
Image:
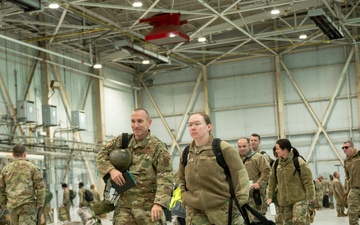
(203, 182)
(258, 168)
(21, 183)
(267, 157)
(352, 170)
(96, 195)
(339, 190)
(66, 198)
(82, 201)
(331, 187)
(292, 186)
(319, 188)
(151, 168)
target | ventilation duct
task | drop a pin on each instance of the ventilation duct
(321, 20)
(124, 45)
(28, 5)
(167, 29)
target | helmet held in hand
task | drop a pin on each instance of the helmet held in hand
(121, 159)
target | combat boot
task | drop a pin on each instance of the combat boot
(341, 214)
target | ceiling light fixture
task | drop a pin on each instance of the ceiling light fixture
(275, 12)
(303, 36)
(53, 6)
(202, 39)
(145, 61)
(97, 66)
(137, 4)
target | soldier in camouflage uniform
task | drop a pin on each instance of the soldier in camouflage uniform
(66, 201)
(339, 192)
(95, 193)
(22, 189)
(152, 170)
(295, 190)
(81, 192)
(258, 169)
(352, 176)
(204, 187)
(255, 141)
(319, 192)
(330, 191)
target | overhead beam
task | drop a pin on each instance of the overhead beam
(235, 25)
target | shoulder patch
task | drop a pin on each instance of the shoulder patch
(108, 145)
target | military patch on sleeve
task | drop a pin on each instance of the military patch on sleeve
(108, 145)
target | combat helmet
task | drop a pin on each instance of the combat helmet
(101, 207)
(121, 159)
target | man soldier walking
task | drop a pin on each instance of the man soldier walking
(22, 189)
(352, 173)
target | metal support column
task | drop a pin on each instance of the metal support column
(279, 100)
(100, 115)
(357, 67)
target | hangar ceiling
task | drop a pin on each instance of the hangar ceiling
(109, 31)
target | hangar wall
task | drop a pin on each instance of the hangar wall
(69, 153)
(243, 99)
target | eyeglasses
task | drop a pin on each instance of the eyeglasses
(345, 147)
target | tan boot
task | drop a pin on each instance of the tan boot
(341, 214)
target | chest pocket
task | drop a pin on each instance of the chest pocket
(142, 162)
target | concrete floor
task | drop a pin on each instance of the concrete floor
(323, 217)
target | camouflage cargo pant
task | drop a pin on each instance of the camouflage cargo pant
(331, 199)
(277, 217)
(319, 199)
(135, 216)
(294, 214)
(256, 207)
(354, 206)
(23, 215)
(264, 206)
(340, 205)
(213, 217)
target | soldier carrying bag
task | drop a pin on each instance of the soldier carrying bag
(221, 161)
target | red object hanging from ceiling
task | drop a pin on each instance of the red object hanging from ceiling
(167, 29)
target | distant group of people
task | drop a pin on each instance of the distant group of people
(203, 183)
(67, 202)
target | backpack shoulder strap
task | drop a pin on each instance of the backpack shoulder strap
(276, 163)
(125, 139)
(296, 163)
(219, 155)
(247, 158)
(185, 155)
